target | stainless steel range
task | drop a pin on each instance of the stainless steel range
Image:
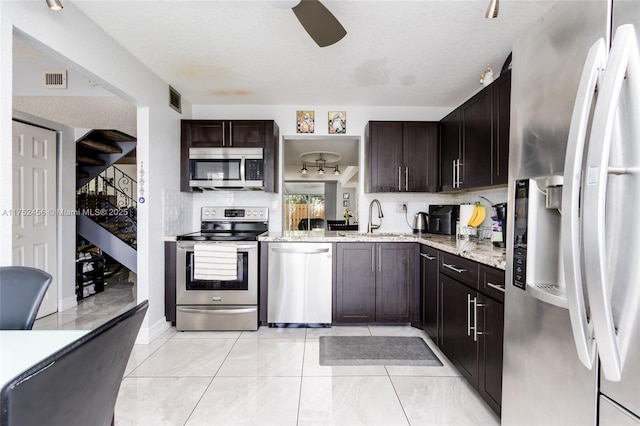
(217, 270)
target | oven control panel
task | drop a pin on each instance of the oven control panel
(246, 214)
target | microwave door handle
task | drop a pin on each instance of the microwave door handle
(242, 169)
(622, 71)
(570, 235)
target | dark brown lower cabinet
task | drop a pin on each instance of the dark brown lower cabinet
(375, 282)
(354, 296)
(490, 351)
(170, 281)
(458, 341)
(429, 292)
(470, 312)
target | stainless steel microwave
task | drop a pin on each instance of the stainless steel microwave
(226, 168)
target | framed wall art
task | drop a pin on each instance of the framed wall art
(305, 120)
(337, 122)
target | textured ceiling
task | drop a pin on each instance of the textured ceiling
(396, 53)
(400, 53)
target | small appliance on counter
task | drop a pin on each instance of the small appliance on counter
(442, 219)
(421, 223)
(501, 216)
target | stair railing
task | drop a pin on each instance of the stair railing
(109, 200)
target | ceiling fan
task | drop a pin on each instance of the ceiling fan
(319, 22)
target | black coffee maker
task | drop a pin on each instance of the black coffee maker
(501, 214)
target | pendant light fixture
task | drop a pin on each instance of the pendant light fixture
(492, 10)
(320, 165)
(54, 4)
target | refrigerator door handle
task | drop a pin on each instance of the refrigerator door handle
(623, 69)
(570, 221)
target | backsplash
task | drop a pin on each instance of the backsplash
(181, 210)
(177, 213)
(394, 221)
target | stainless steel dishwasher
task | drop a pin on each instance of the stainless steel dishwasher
(299, 284)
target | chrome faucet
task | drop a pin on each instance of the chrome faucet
(371, 226)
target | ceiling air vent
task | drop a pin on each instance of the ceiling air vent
(175, 99)
(54, 79)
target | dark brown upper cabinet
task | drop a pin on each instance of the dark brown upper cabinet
(231, 134)
(474, 139)
(501, 127)
(224, 134)
(401, 156)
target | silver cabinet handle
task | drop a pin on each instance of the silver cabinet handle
(469, 328)
(459, 180)
(373, 260)
(476, 305)
(426, 256)
(399, 180)
(224, 133)
(406, 178)
(379, 258)
(496, 286)
(230, 134)
(453, 268)
(453, 169)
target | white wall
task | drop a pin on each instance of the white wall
(72, 39)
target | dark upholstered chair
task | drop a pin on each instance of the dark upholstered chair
(315, 223)
(344, 227)
(22, 290)
(334, 223)
(79, 384)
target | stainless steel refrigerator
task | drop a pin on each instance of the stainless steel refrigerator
(572, 306)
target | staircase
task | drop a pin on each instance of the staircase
(105, 196)
(99, 149)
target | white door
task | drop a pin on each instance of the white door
(34, 204)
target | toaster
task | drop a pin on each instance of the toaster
(443, 218)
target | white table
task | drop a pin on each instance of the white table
(21, 349)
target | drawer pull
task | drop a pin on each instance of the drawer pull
(496, 286)
(453, 268)
(427, 256)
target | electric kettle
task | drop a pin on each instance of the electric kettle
(421, 223)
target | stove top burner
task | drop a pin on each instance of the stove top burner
(219, 236)
(230, 224)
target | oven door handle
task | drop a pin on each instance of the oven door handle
(218, 311)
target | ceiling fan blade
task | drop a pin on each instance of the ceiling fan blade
(319, 22)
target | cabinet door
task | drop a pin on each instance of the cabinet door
(354, 295)
(395, 281)
(203, 133)
(429, 291)
(170, 281)
(501, 116)
(457, 318)
(247, 134)
(475, 170)
(449, 149)
(420, 157)
(383, 152)
(491, 319)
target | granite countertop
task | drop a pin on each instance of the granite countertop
(480, 251)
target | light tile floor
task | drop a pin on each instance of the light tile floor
(273, 377)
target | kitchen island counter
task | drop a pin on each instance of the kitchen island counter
(481, 252)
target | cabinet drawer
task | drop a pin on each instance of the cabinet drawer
(492, 282)
(462, 270)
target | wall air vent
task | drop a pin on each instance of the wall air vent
(54, 79)
(175, 99)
